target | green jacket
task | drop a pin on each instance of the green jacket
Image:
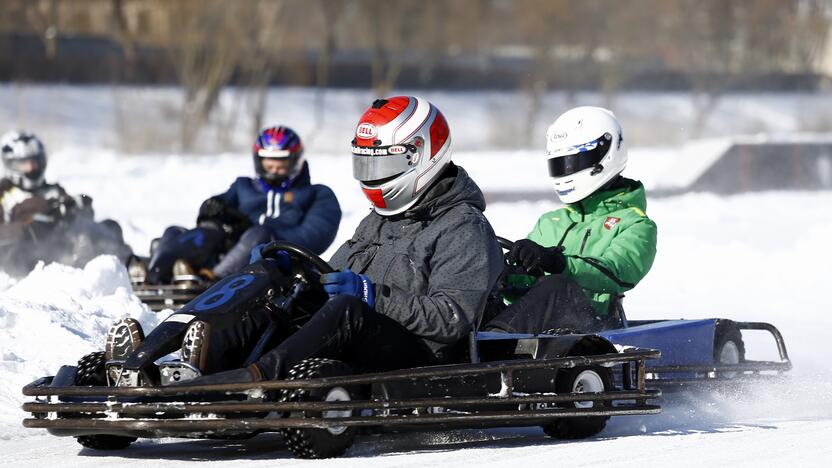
(608, 240)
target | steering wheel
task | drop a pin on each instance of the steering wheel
(511, 269)
(301, 255)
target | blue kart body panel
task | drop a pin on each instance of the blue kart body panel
(682, 342)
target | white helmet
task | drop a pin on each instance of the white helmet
(585, 150)
(400, 148)
(24, 159)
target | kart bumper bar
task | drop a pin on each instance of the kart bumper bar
(182, 410)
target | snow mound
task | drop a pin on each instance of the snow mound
(52, 317)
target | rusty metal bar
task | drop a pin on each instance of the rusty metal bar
(195, 425)
(455, 370)
(778, 338)
(252, 407)
(747, 367)
(738, 381)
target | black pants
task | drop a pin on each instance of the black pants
(199, 247)
(347, 330)
(555, 301)
(231, 338)
(242, 329)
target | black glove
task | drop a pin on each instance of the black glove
(537, 259)
(63, 207)
(212, 208)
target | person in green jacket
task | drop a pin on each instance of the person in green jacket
(591, 251)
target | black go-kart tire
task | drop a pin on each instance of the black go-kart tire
(580, 380)
(105, 441)
(729, 347)
(91, 371)
(319, 443)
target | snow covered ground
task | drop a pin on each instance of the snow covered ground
(762, 257)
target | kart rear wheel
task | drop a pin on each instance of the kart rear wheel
(91, 371)
(580, 380)
(729, 347)
(320, 443)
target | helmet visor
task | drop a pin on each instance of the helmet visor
(31, 165)
(380, 162)
(274, 153)
(572, 159)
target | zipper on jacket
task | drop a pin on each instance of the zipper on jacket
(583, 243)
(565, 233)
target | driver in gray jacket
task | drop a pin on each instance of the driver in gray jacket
(419, 269)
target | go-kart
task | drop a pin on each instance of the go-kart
(60, 229)
(570, 385)
(159, 297)
(159, 283)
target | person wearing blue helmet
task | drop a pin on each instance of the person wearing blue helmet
(280, 203)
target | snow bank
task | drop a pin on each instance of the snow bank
(54, 316)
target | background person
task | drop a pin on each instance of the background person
(591, 251)
(40, 221)
(280, 203)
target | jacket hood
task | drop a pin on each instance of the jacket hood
(624, 193)
(456, 187)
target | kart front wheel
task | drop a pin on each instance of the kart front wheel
(320, 443)
(105, 441)
(91, 371)
(593, 379)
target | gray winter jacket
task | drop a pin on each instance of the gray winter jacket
(434, 266)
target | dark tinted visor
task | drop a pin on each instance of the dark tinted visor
(584, 157)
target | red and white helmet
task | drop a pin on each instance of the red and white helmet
(401, 146)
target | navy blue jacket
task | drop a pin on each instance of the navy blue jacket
(304, 214)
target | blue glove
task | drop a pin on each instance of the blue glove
(351, 284)
(284, 261)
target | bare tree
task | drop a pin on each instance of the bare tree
(206, 50)
(121, 31)
(723, 44)
(262, 46)
(45, 22)
(392, 32)
(331, 14)
(544, 24)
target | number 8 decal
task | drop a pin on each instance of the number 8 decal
(224, 294)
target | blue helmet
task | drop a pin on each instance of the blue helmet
(280, 143)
